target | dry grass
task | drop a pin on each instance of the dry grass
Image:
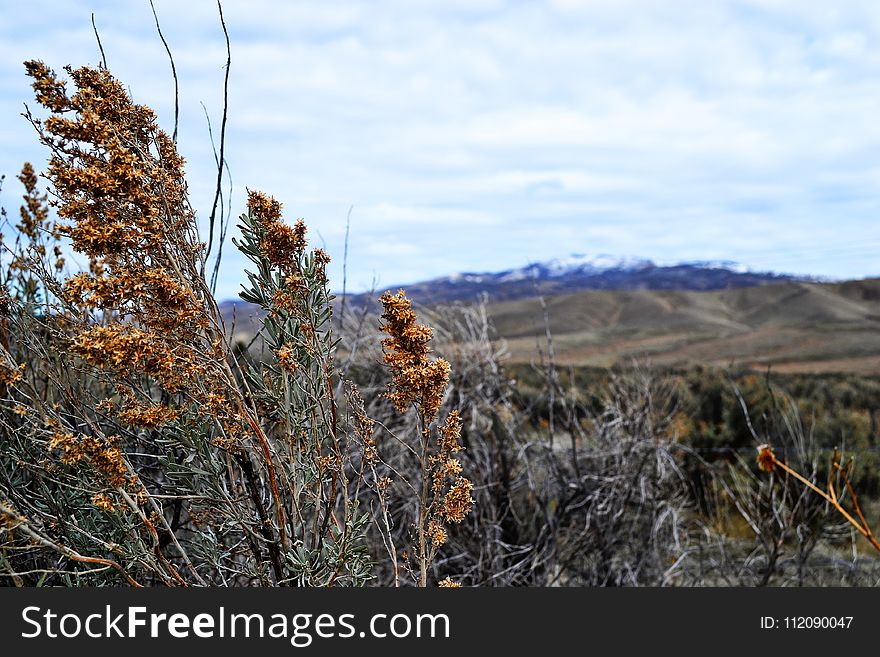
(793, 326)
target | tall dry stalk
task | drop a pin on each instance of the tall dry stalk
(418, 382)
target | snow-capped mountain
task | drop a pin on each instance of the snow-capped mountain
(575, 264)
(590, 272)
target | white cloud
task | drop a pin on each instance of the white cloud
(495, 133)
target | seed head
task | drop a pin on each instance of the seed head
(766, 458)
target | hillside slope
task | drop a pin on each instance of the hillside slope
(791, 326)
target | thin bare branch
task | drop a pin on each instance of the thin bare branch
(173, 73)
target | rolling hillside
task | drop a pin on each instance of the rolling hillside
(791, 326)
(605, 310)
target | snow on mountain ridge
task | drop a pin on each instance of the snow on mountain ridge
(590, 265)
(578, 262)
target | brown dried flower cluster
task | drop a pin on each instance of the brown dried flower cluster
(149, 417)
(153, 294)
(286, 356)
(34, 212)
(283, 301)
(127, 190)
(281, 244)
(416, 379)
(437, 533)
(322, 259)
(263, 207)
(447, 583)
(364, 427)
(458, 503)
(11, 375)
(122, 199)
(450, 435)
(102, 453)
(119, 183)
(35, 240)
(124, 350)
(103, 502)
(283, 247)
(420, 381)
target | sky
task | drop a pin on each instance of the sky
(482, 135)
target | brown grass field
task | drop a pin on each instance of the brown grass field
(789, 327)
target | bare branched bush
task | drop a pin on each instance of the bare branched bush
(606, 506)
(613, 500)
(786, 534)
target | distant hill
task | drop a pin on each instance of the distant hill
(791, 326)
(575, 273)
(580, 272)
(604, 311)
